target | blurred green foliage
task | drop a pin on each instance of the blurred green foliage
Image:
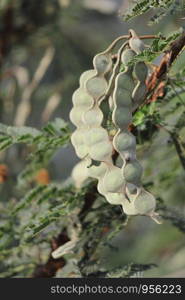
(44, 46)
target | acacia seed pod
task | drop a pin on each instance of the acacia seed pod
(113, 181)
(85, 76)
(124, 141)
(132, 172)
(96, 87)
(102, 63)
(101, 151)
(120, 186)
(144, 203)
(82, 99)
(97, 171)
(135, 43)
(127, 56)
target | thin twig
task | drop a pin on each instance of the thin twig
(51, 106)
(125, 37)
(160, 73)
(178, 96)
(24, 106)
(178, 149)
(176, 142)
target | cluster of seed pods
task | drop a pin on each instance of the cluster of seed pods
(124, 92)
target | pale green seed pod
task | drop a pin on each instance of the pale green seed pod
(124, 141)
(119, 184)
(77, 140)
(116, 198)
(96, 135)
(80, 172)
(127, 56)
(123, 97)
(141, 72)
(85, 76)
(145, 203)
(82, 99)
(125, 81)
(138, 94)
(101, 151)
(135, 43)
(97, 171)
(99, 145)
(76, 116)
(132, 172)
(112, 198)
(129, 208)
(93, 117)
(122, 117)
(102, 63)
(113, 180)
(132, 190)
(96, 87)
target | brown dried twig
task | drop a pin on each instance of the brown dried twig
(160, 72)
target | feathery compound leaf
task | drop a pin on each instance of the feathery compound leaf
(143, 6)
(43, 193)
(32, 136)
(138, 9)
(130, 270)
(155, 19)
(32, 195)
(171, 214)
(60, 201)
(46, 141)
(5, 142)
(50, 216)
(158, 45)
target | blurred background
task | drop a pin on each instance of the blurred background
(44, 47)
